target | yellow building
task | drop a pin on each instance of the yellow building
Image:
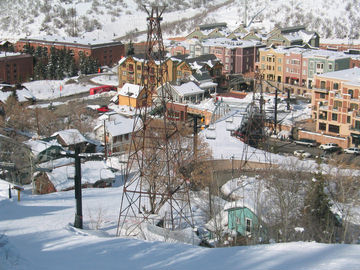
(133, 95)
(271, 64)
(131, 69)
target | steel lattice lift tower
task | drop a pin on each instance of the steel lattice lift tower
(156, 189)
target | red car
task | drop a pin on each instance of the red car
(103, 109)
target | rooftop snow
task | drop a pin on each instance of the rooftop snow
(351, 76)
(188, 89)
(131, 90)
(71, 136)
(72, 40)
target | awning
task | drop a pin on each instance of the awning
(356, 136)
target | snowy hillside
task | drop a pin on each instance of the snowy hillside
(116, 18)
(37, 233)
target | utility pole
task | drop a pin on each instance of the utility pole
(105, 141)
(288, 99)
(195, 136)
(78, 215)
(275, 111)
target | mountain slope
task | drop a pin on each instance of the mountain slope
(115, 18)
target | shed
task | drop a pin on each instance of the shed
(70, 138)
(45, 150)
(93, 174)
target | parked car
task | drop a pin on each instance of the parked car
(103, 109)
(329, 146)
(352, 150)
(302, 153)
(306, 142)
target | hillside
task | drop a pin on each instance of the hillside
(37, 233)
(116, 18)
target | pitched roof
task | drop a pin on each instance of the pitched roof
(71, 136)
(130, 90)
(38, 146)
(187, 89)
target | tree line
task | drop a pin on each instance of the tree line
(59, 63)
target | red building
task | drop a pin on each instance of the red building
(106, 52)
(15, 67)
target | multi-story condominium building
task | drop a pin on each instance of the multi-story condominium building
(209, 31)
(298, 65)
(271, 64)
(335, 104)
(15, 67)
(106, 52)
(237, 56)
(178, 68)
(289, 36)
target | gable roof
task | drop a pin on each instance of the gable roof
(187, 89)
(62, 177)
(130, 90)
(38, 146)
(117, 125)
(71, 136)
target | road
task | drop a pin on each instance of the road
(289, 147)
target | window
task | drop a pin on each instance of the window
(304, 63)
(336, 86)
(262, 58)
(126, 137)
(279, 68)
(304, 71)
(279, 60)
(124, 73)
(322, 84)
(354, 107)
(334, 117)
(337, 104)
(334, 129)
(348, 119)
(351, 93)
(357, 124)
(322, 126)
(320, 66)
(322, 95)
(138, 67)
(248, 225)
(330, 66)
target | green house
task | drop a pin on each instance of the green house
(243, 220)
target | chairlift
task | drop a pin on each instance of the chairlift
(70, 172)
(210, 133)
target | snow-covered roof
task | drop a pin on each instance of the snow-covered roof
(70, 136)
(351, 76)
(131, 90)
(91, 171)
(117, 125)
(38, 146)
(230, 43)
(7, 54)
(187, 89)
(308, 52)
(70, 40)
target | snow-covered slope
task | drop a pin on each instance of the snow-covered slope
(36, 233)
(115, 18)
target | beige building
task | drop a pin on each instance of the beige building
(335, 105)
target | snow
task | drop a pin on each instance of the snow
(50, 89)
(37, 233)
(131, 90)
(70, 136)
(91, 171)
(187, 89)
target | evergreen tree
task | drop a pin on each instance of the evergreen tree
(320, 222)
(131, 49)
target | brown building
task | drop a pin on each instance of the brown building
(106, 52)
(15, 67)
